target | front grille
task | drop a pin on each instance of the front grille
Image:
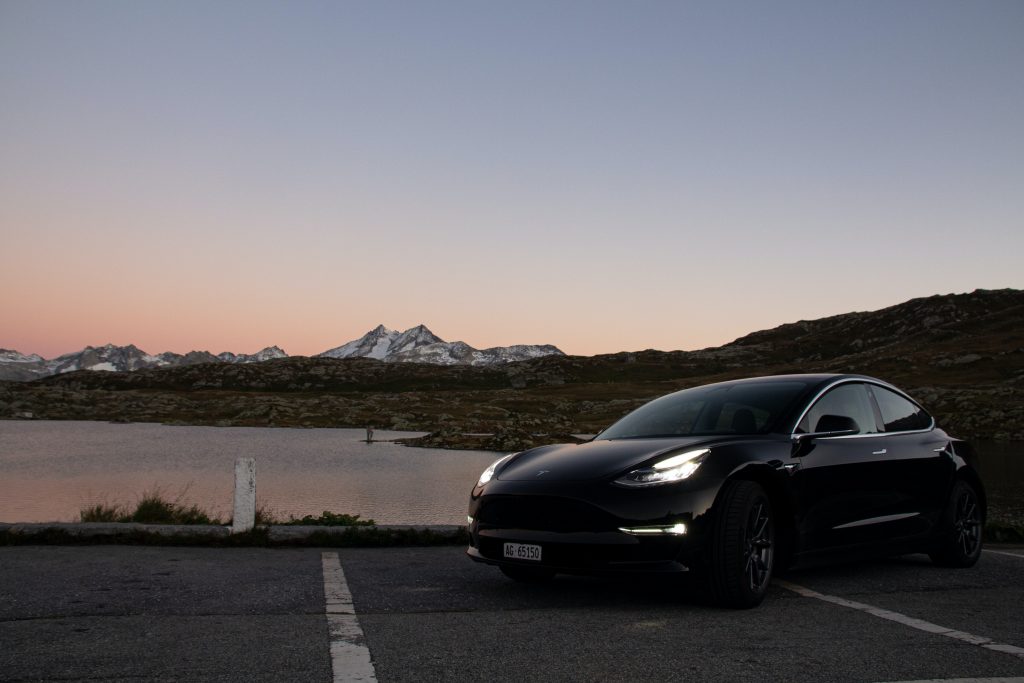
(543, 513)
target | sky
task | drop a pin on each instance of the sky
(602, 176)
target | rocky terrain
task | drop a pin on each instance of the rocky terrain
(961, 355)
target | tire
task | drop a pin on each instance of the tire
(960, 542)
(527, 574)
(742, 546)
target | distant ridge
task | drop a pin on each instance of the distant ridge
(20, 367)
(415, 345)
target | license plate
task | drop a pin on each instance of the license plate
(522, 551)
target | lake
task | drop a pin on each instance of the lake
(51, 470)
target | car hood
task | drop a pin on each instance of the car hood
(591, 460)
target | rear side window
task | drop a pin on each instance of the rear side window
(846, 400)
(899, 414)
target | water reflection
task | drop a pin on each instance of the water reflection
(51, 470)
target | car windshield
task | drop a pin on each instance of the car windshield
(717, 409)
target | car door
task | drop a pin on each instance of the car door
(846, 488)
(921, 462)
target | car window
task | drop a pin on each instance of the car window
(718, 409)
(846, 400)
(899, 414)
(741, 418)
(663, 418)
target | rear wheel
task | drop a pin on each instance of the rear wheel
(742, 546)
(960, 545)
(527, 574)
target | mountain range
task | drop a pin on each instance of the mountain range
(961, 355)
(415, 345)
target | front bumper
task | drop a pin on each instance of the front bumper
(581, 531)
(583, 553)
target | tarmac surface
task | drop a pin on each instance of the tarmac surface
(127, 613)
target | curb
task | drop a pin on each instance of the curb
(383, 535)
(107, 529)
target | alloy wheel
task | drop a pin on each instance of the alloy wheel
(967, 524)
(758, 546)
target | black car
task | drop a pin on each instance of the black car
(730, 481)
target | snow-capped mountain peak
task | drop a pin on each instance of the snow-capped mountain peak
(11, 356)
(374, 344)
(420, 345)
(413, 338)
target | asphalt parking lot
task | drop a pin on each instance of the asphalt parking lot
(118, 613)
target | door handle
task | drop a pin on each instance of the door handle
(881, 452)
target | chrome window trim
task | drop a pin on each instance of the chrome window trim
(865, 380)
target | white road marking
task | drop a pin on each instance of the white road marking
(998, 679)
(1000, 552)
(919, 624)
(350, 658)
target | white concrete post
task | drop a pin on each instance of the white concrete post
(244, 518)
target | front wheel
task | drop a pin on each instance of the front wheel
(742, 546)
(960, 544)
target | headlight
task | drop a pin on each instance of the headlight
(676, 468)
(489, 472)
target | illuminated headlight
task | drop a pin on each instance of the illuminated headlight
(489, 472)
(676, 468)
(665, 530)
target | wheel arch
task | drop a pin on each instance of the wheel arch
(776, 487)
(968, 471)
(969, 475)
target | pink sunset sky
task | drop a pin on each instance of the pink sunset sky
(598, 176)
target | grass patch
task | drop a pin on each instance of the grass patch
(153, 507)
(327, 518)
(102, 512)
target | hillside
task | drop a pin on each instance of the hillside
(961, 355)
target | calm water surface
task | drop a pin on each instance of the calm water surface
(51, 470)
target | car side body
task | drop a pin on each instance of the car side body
(848, 465)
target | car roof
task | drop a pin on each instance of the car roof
(809, 378)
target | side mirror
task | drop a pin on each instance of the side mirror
(830, 425)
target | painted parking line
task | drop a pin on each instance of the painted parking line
(919, 624)
(998, 679)
(350, 658)
(1003, 552)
